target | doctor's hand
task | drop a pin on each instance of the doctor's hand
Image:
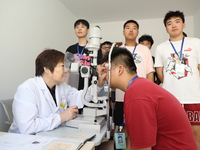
(101, 75)
(69, 113)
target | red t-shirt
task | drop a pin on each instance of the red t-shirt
(155, 118)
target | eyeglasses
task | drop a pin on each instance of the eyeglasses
(106, 48)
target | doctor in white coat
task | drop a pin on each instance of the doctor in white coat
(44, 102)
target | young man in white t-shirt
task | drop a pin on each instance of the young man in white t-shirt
(177, 63)
(148, 41)
(141, 54)
(142, 58)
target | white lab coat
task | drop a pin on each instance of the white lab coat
(34, 109)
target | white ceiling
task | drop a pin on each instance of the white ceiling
(96, 11)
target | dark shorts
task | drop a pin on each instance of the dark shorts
(115, 147)
(118, 113)
(193, 113)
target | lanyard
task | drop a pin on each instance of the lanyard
(134, 49)
(181, 50)
(122, 124)
(132, 80)
(78, 51)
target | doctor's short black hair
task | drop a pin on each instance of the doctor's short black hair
(49, 58)
(122, 56)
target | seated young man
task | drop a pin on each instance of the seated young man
(153, 118)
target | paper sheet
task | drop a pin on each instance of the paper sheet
(23, 142)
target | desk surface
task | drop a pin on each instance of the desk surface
(63, 130)
(10, 141)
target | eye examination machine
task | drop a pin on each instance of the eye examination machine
(96, 112)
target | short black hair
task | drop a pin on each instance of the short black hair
(106, 42)
(171, 14)
(131, 21)
(83, 21)
(122, 56)
(184, 34)
(146, 37)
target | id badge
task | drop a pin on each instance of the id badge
(120, 140)
(180, 69)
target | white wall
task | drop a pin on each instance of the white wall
(28, 27)
(197, 24)
(112, 31)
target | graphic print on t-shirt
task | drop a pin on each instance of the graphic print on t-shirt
(137, 59)
(84, 60)
(178, 68)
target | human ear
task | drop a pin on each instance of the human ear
(166, 30)
(46, 70)
(120, 69)
(184, 25)
(88, 30)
